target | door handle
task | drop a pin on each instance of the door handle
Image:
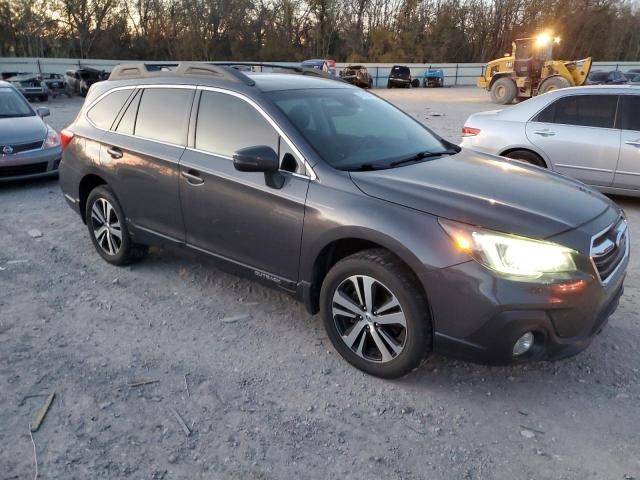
(633, 143)
(193, 177)
(544, 133)
(114, 152)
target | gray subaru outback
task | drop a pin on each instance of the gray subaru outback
(405, 243)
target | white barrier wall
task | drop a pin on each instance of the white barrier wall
(455, 73)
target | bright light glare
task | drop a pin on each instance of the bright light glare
(556, 40)
(543, 39)
(517, 256)
(463, 242)
(510, 254)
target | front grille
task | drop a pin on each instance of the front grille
(21, 147)
(18, 170)
(609, 248)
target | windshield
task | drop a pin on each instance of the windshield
(355, 130)
(12, 104)
(400, 71)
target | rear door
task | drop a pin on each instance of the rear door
(238, 215)
(628, 170)
(577, 134)
(142, 151)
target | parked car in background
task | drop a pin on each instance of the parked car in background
(614, 77)
(56, 84)
(404, 242)
(400, 76)
(31, 86)
(357, 75)
(81, 80)
(634, 78)
(589, 133)
(328, 66)
(7, 75)
(28, 147)
(433, 77)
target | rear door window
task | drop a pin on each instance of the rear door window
(629, 118)
(163, 114)
(581, 110)
(105, 111)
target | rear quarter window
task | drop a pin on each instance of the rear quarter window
(630, 112)
(105, 110)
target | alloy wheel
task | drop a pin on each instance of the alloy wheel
(106, 226)
(369, 318)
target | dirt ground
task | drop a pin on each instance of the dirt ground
(266, 396)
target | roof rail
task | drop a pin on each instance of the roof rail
(277, 68)
(127, 71)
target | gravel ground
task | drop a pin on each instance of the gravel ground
(267, 396)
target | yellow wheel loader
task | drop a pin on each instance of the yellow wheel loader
(530, 70)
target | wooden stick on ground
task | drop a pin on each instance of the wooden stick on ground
(37, 420)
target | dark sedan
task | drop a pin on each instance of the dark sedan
(614, 77)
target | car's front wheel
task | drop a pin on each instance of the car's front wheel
(375, 314)
(108, 228)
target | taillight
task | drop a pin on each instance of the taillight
(470, 131)
(65, 138)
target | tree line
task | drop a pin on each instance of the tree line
(422, 31)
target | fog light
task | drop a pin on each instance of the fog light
(523, 345)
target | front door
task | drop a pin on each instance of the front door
(577, 134)
(240, 216)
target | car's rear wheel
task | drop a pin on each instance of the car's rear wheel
(375, 314)
(108, 228)
(527, 156)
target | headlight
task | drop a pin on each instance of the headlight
(510, 254)
(52, 140)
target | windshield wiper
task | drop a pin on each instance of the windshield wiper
(421, 156)
(367, 167)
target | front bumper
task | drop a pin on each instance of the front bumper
(484, 315)
(28, 165)
(34, 92)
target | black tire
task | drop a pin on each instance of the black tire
(43, 98)
(415, 83)
(503, 91)
(394, 277)
(370, 84)
(553, 83)
(527, 156)
(389, 85)
(127, 251)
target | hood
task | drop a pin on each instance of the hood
(21, 130)
(489, 192)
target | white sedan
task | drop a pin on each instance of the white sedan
(590, 133)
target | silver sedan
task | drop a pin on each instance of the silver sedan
(589, 133)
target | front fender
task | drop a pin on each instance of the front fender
(337, 214)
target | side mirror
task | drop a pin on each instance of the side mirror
(43, 112)
(256, 159)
